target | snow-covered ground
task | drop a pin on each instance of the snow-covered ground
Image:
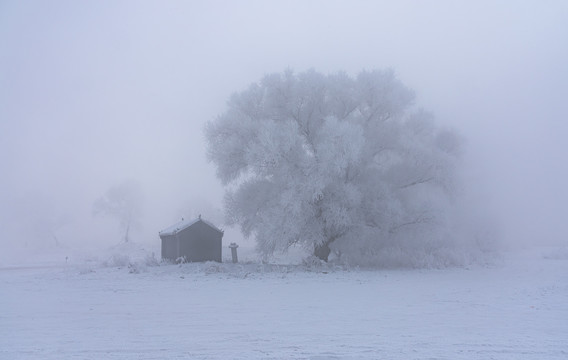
(514, 309)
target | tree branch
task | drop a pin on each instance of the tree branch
(417, 182)
(418, 220)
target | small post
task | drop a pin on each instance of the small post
(233, 248)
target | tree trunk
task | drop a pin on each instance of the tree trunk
(126, 234)
(322, 251)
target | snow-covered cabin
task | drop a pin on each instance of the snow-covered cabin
(194, 240)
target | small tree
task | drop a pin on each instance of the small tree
(122, 202)
(334, 163)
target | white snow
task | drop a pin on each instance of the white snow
(516, 309)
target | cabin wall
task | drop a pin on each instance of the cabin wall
(200, 242)
(170, 247)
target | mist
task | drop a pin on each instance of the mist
(93, 94)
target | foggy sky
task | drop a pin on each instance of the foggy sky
(96, 93)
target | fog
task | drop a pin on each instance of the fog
(93, 94)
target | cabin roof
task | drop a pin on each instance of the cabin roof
(184, 224)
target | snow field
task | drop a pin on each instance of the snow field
(516, 310)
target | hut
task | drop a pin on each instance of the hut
(192, 240)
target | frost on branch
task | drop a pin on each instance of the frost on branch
(337, 165)
(122, 202)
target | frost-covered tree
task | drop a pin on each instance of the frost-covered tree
(122, 202)
(335, 164)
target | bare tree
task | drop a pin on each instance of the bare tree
(122, 202)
